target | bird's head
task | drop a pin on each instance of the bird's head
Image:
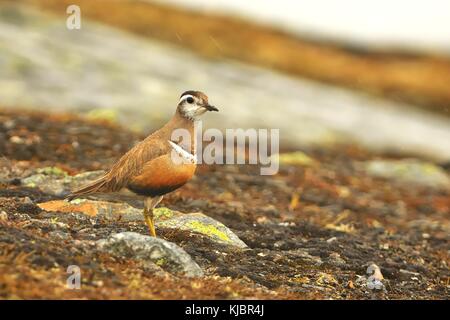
(193, 104)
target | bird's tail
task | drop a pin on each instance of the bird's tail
(93, 187)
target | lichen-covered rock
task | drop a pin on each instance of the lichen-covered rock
(163, 213)
(48, 179)
(295, 158)
(200, 223)
(109, 210)
(104, 209)
(83, 178)
(164, 254)
(409, 171)
(55, 181)
(110, 115)
(164, 217)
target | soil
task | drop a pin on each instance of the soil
(311, 231)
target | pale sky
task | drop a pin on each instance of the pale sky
(423, 24)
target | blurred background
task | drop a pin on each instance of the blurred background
(376, 74)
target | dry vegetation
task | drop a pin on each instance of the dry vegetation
(420, 79)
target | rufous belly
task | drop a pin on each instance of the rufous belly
(160, 176)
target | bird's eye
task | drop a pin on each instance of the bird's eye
(190, 100)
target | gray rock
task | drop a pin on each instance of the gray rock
(82, 178)
(200, 223)
(151, 250)
(409, 171)
(106, 210)
(57, 182)
(48, 179)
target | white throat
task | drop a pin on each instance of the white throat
(185, 156)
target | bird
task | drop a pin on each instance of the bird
(149, 169)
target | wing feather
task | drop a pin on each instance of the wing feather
(126, 168)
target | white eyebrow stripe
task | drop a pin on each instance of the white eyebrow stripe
(185, 97)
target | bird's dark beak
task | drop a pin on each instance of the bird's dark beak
(211, 108)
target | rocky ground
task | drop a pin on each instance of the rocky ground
(310, 232)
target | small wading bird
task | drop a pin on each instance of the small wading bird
(149, 169)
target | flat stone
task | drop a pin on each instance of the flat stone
(109, 210)
(409, 171)
(200, 223)
(164, 254)
(57, 182)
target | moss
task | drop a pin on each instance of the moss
(163, 213)
(429, 168)
(296, 158)
(109, 115)
(208, 230)
(31, 185)
(77, 201)
(52, 171)
(160, 262)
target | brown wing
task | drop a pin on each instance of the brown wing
(132, 163)
(127, 167)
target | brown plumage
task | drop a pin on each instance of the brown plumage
(132, 164)
(147, 169)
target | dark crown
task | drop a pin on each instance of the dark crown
(197, 94)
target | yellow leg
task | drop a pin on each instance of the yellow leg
(149, 221)
(149, 205)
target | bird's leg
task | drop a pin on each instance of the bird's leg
(149, 205)
(149, 223)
